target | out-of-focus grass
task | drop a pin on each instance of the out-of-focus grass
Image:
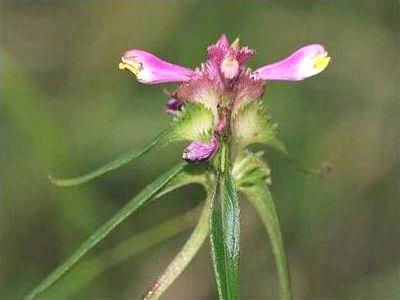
(67, 109)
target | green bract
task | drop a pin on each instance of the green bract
(251, 168)
(193, 122)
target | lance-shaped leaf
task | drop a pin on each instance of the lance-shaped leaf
(183, 258)
(225, 231)
(191, 174)
(151, 190)
(260, 196)
(116, 163)
(91, 268)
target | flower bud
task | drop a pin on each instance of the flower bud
(198, 151)
(172, 106)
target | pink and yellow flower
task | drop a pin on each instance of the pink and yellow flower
(223, 83)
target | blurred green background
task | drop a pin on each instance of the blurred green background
(65, 109)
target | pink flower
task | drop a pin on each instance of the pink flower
(199, 151)
(303, 63)
(223, 84)
(150, 69)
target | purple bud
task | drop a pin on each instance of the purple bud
(198, 151)
(150, 69)
(173, 106)
(303, 63)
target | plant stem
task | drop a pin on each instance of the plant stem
(260, 196)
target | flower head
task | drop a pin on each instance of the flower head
(225, 87)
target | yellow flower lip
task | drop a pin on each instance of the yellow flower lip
(321, 61)
(130, 64)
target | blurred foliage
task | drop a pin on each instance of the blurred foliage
(65, 109)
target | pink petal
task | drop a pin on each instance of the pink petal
(150, 69)
(223, 41)
(198, 151)
(303, 63)
(244, 55)
(217, 51)
(247, 89)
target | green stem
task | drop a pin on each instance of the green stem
(260, 196)
(104, 230)
(182, 259)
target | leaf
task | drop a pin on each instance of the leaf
(89, 269)
(104, 230)
(192, 173)
(225, 231)
(260, 196)
(116, 163)
(183, 258)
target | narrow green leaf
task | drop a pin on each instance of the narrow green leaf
(183, 258)
(116, 163)
(90, 268)
(192, 173)
(225, 231)
(260, 196)
(104, 230)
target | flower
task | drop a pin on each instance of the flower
(198, 151)
(225, 87)
(148, 68)
(303, 63)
